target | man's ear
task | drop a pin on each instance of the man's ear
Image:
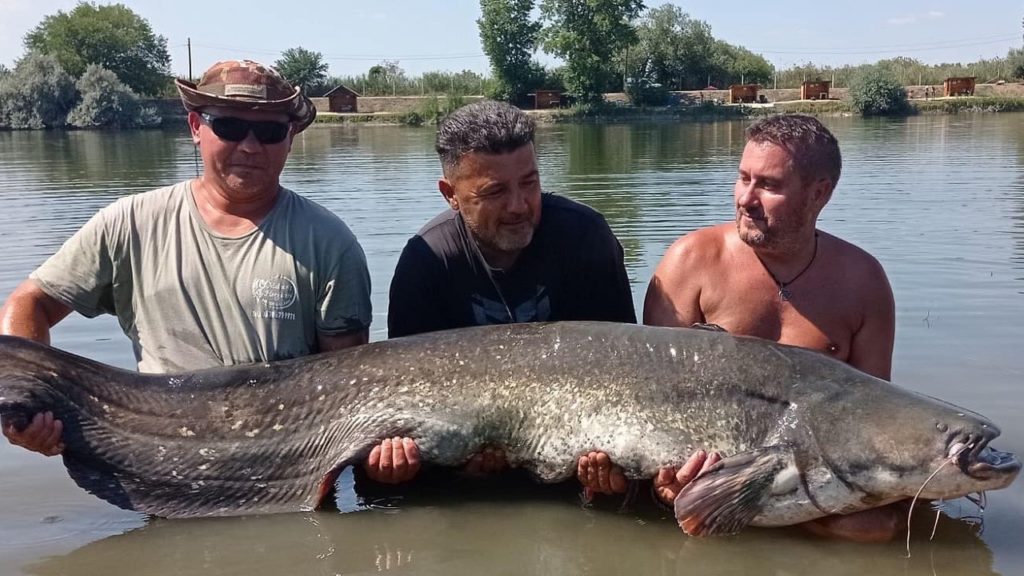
(822, 192)
(448, 191)
(194, 122)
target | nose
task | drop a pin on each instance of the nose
(250, 143)
(517, 201)
(746, 195)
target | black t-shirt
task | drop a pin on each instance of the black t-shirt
(572, 270)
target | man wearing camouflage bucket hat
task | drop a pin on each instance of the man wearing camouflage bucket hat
(226, 268)
(250, 85)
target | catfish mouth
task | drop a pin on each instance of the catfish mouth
(977, 459)
(991, 463)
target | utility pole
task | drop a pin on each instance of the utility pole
(188, 43)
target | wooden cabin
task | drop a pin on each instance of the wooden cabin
(743, 93)
(546, 99)
(342, 99)
(958, 86)
(815, 89)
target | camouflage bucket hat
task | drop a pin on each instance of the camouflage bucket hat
(247, 85)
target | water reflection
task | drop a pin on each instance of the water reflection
(481, 538)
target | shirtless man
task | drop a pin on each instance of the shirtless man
(774, 275)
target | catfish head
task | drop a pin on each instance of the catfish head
(889, 443)
(864, 444)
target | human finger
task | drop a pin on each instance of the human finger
(386, 468)
(692, 468)
(713, 458)
(665, 477)
(31, 436)
(411, 455)
(51, 444)
(583, 470)
(604, 465)
(398, 463)
(617, 480)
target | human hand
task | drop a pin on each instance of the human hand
(41, 435)
(599, 476)
(669, 481)
(489, 461)
(396, 460)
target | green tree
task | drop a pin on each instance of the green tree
(1015, 61)
(587, 34)
(111, 36)
(106, 102)
(37, 94)
(878, 92)
(302, 68)
(739, 65)
(509, 38)
(672, 49)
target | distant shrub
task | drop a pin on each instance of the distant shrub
(36, 94)
(432, 109)
(411, 119)
(876, 92)
(643, 92)
(1015, 58)
(107, 102)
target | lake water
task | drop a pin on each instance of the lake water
(938, 200)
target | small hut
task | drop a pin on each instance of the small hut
(342, 99)
(815, 89)
(546, 98)
(958, 86)
(743, 93)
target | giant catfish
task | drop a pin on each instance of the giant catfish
(806, 435)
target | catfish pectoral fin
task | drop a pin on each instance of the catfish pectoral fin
(328, 484)
(730, 494)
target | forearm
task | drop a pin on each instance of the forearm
(30, 313)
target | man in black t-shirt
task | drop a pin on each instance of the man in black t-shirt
(503, 253)
(571, 267)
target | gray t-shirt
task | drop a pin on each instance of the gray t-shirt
(189, 298)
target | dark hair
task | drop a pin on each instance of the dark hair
(814, 149)
(486, 126)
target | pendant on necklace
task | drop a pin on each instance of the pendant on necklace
(784, 294)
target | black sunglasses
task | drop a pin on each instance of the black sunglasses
(235, 129)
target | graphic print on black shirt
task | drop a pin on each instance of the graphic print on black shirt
(536, 308)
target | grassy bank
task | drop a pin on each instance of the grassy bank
(971, 104)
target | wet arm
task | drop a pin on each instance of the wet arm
(673, 297)
(871, 349)
(30, 313)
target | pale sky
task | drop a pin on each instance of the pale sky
(426, 35)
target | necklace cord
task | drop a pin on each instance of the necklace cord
(783, 292)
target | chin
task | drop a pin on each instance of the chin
(513, 242)
(751, 235)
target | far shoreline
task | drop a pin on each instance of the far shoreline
(616, 109)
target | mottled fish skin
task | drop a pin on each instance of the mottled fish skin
(261, 438)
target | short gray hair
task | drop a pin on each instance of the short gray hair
(486, 126)
(814, 150)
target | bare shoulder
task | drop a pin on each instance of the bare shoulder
(673, 295)
(694, 251)
(857, 268)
